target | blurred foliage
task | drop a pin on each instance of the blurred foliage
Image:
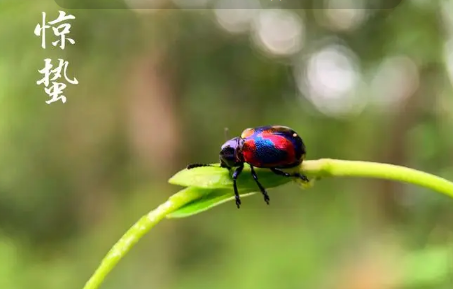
(156, 89)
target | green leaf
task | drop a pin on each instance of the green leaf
(215, 177)
(218, 186)
(212, 199)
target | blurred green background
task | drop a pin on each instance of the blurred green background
(156, 89)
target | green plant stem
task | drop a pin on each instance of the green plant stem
(340, 168)
(316, 168)
(138, 230)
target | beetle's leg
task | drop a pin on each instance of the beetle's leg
(192, 166)
(236, 174)
(263, 190)
(285, 174)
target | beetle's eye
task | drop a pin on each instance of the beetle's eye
(228, 152)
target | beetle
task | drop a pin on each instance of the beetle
(273, 147)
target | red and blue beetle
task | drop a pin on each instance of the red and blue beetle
(273, 147)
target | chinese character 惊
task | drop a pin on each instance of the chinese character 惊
(59, 31)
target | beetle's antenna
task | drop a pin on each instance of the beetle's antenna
(192, 166)
(227, 135)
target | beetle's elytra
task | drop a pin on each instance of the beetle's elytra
(274, 147)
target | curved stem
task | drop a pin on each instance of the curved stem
(341, 168)
(316, 168)
(140, 228)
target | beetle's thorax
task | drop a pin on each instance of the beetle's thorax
(230, 153)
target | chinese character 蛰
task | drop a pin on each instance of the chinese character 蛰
(55, 90)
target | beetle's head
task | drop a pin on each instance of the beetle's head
(230, 153)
